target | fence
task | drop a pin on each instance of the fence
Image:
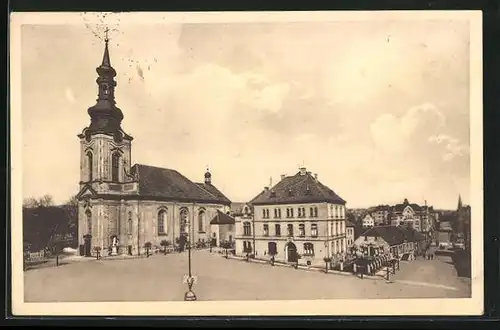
(36, 256)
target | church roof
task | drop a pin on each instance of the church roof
(166, 183)
(214, 191)
(222, 219)
(299, 188)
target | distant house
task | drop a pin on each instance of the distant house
(367, 221)
(222, 228)
(395, 240)
(380, 214)
(243, 217)
(411, 215)
(353, 231)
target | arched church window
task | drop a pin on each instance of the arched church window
(89, 222)
(90, 165)
(115, 164)
(183, 220)
(162, 219)
(201, 221)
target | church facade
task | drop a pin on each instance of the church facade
(122, 206)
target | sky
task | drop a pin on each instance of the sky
(378, 109)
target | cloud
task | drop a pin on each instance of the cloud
(68, 93)
(394, 134)
(452, 146)
(255, 100)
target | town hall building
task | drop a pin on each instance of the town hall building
(123, 206)
(297, 220)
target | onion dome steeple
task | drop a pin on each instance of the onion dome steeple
(208, 177)
(105, 116)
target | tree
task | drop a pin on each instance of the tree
(164, 243)
(46, 201)
(30, 203)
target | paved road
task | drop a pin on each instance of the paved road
(437, 273)
(159, 278)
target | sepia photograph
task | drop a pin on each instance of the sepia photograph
(258, 163)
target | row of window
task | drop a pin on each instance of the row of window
(183, 220)
(337, 228)
(313, 212)
(247, 229)
(162, 221)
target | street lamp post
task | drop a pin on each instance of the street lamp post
(189, 279)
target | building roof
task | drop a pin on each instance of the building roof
(157, 182)
(214, 191)
(222, 219)
(364, 215)
(299, 188)
(393, 235)
(412, 235)
(349, 223)
(402, 206)
(380, 208)
(237, 208)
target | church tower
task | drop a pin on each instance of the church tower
(105, 147)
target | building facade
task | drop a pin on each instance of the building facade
(411, 214)
(395, 240)
(298, 219)
(122, 206)
(367, 221)
(380, 214)
(350, 233)
(222, 229)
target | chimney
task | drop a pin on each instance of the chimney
(302, 171)
(266, 188)
(316, 176)
(270, 181)
(283, 176)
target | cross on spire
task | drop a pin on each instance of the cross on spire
(106, 37)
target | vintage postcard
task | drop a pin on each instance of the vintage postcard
(247, 163)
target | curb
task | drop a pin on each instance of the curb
(308, 269)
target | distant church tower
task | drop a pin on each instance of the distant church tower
(105, 147)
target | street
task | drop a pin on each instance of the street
(160, 278)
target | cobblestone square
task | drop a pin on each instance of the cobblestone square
(160, 278)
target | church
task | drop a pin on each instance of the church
(121, 207)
